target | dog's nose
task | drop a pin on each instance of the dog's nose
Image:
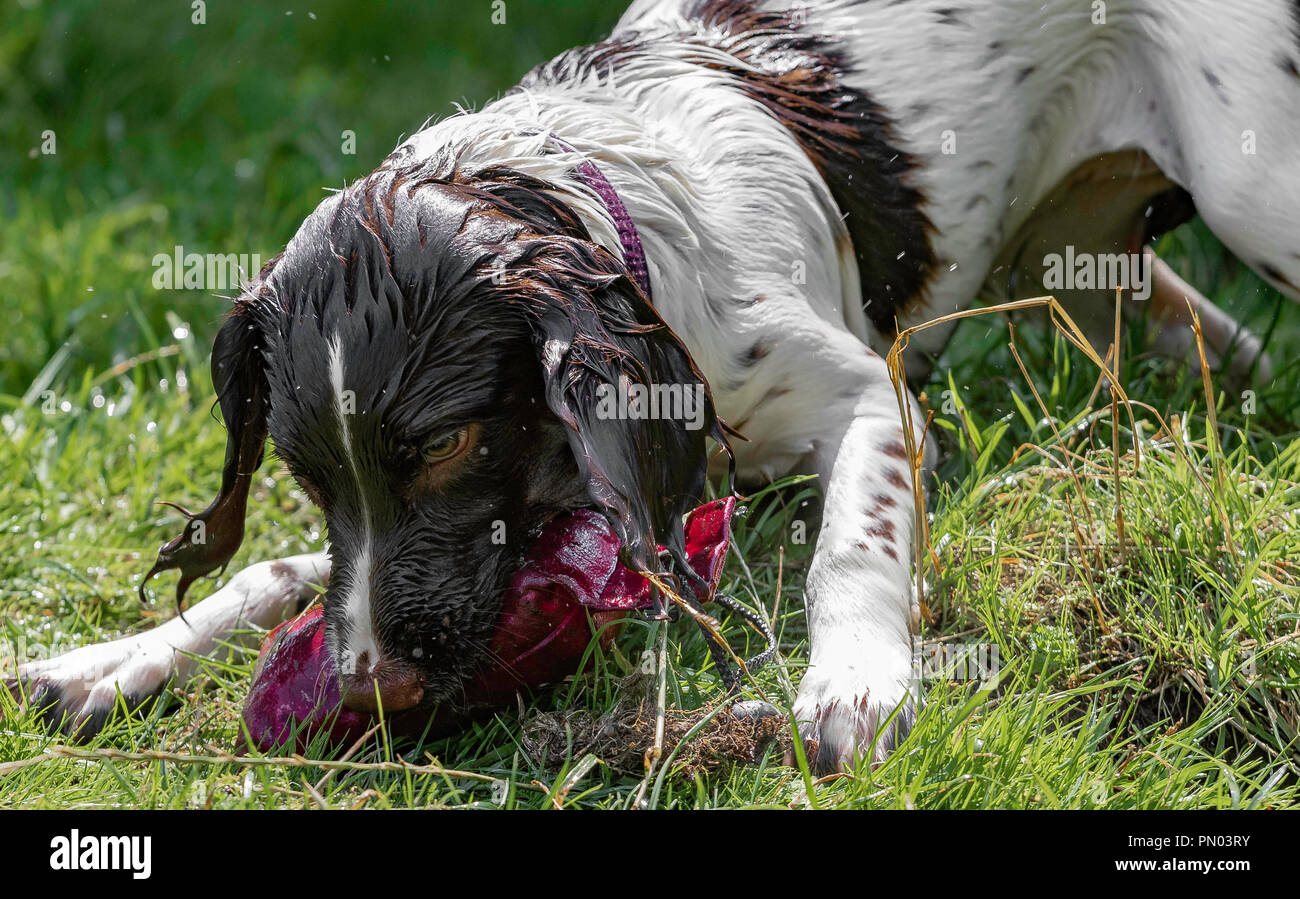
(394, 684)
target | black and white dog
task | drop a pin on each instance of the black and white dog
(790, 186)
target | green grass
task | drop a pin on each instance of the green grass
(1163, 673)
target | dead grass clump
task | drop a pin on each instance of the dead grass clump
(622, 736)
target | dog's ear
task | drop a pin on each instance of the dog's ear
(644, 466)
(211, 537)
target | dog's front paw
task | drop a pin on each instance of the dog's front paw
(848, 712)
(76, 693)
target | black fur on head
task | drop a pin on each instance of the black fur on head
(424, 301)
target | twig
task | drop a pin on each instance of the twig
(179, 758)
(655, 752)
(1214, 447)
(894, 363)
(708, 622)
(1051, 422)
(1114, 432)
(353, 750)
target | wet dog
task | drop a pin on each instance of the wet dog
(741, 203)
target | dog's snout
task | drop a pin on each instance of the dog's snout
(396, 685)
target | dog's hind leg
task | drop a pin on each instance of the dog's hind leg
(77, 692)
(1229, 347)
(1225, 96)
(1102, 214)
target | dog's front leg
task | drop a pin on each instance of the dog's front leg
(859, 593)
(78, 691)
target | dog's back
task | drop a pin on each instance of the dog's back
(1001, 104)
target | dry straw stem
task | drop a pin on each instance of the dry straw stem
(708, 622)
(1107, 368)
(352, 750)
(1078, 486)
(1114, 426)
(655, 753)
(656, 750)
(1211, 411)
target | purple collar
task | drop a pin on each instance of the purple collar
(633, 252)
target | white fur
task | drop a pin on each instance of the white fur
(260, 596)
(360, 638)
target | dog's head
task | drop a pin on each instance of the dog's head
(437, 357)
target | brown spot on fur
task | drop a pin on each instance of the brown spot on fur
(884, 500)
(799, 77)
(759, 350)
(895, 449)
(882, 528)
(388, 202)
(889, 551)
(895, 477)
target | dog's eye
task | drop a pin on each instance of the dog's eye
(446, 447)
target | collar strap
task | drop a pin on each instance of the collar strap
(633, 252)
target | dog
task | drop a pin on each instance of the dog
(749, 202)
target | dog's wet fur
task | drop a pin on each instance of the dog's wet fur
(785, 172)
